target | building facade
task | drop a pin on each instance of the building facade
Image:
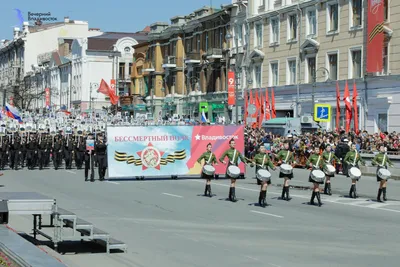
(185, 65)
(109, 57)
(303, 49)
(19, 56)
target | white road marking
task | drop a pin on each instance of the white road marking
(112, 182)
(71, 172)
(172, 195)
(336, 201)
(251, 258)
(359, 202)
(378, 205)
(264, 213)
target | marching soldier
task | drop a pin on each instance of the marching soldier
(262, 162)
(381, 160)
(68, 148)
(31, 153)
(80, 153)
(352, 159)
(100, 149)
(89, 161)
(57, 152)
(23, 151)
(48, 151)
(233, 155)
(5, 147)
(42, 149)
(315, 162)
(209, 159)
(15, 149)
(286, 157)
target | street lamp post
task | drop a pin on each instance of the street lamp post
(90, 96)
(314, 76)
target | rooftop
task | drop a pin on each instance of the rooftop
(105, 41)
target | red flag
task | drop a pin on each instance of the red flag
(267, 106)
(347, 102)
(246, 105)
(256, 115)
(251, 101)
(106, 90)
(375, 37)
(273, 103)
(337, 107)
(262, 110)
(355, 94)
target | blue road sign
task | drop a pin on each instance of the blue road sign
(322, 113)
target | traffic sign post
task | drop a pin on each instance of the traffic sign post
(322, 113)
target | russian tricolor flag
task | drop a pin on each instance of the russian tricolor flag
(203, 116)
(13, 113)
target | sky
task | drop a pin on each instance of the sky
(114, 15)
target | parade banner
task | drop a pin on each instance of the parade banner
(158, 151)
(231, 88)
(375, 36)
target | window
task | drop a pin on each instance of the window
(274, 25)
(333, 66)
(311, 25)
(382, 122)
(273, 74)
(333, 17)
(355, 13)
(130, 69)
(259, 35)
(239, 34)
(257, 76)
(355, 64)
(291, 71)
(127, 49)
(385, 70)
(292, 27)
(122, 71)
(386, 10)
(311, 64)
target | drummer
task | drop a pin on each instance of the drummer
(233, 156)
(381, 160)
(285, 157)
(262, 162)
(329, 159)
(209, 159)
(315, 162)
(352, 158)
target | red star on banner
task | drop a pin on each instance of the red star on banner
(150, 147)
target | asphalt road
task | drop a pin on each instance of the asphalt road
(170, 223)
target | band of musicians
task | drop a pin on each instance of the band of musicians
(321, 165)
(46, 148)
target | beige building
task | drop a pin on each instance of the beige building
(301, 48)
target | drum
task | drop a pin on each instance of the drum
(317, 176)
(208, 171)
(329, 169)
(264, 175)
(286, 169)
(233, 172)
(355, 173)
(384, 174)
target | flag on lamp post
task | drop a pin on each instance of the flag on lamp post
(347, 102)
(355, 94)
(337, 106)
(106, 90)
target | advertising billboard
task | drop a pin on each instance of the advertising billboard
(162, 151)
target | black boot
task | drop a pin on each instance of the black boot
(326, 189)
(351, 191)
(283, 193)
(355, 192)
(209, 191)
(206, 190)
(263, 199)
(288, 198)
(260, 197)
(379, 195)
(312, 198)
(230, 193)
(329, 189)
(384, 194)
(233, 195)
(319, 199)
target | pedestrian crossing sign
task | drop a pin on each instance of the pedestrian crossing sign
(322, 113)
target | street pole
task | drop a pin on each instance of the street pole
(236, 81)
(313, 91)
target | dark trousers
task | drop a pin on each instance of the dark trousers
(102, 164)
(68, 159)
(31, 159)
(41, 158)
(14, 159)
(3, 159)
(89, 161)
(57, 158)
(79, 155)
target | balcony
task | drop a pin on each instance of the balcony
(192, 58)
(169, 62)
(213, 53)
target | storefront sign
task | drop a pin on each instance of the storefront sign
(203, 106)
